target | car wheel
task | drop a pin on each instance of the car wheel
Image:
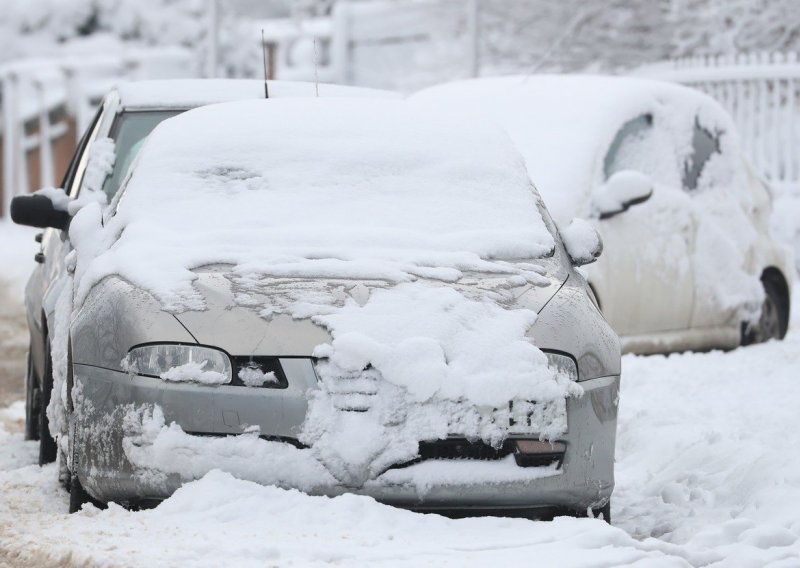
(774, 320)
(32, 406)
(604, 512)
(47, 445)
(77, 495)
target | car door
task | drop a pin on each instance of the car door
(727, 267)
(645, 279)
(55, 243)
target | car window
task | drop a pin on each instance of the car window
(129, 132)
(640, 146)
(704, 145)
(74, 175)
(627, 138)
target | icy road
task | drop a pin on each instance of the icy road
(708, 474)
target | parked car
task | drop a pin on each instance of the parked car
(322, 294)
(690, 260)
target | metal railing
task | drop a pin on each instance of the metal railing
(762, 94)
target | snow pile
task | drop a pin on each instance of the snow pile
(459, 345)
(255, 377)
(195, 372)
(442, 359)
(220, 520)
(706, 452)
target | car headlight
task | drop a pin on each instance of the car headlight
(563, 364)
(180, 363)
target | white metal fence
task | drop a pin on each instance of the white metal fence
(762, 94)
(46, 104)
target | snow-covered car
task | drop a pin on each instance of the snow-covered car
(690, 260)
(334, 295)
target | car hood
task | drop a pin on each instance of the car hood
(244, 322)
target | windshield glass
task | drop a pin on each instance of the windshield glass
(129, 132)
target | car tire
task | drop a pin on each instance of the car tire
(32, 406)
(48, 450)
(604, 511)
(774, 320)
(77, 495)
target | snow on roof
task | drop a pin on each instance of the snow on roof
(191, 93)
(563, 124)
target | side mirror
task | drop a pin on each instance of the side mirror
(622, 190)
(38, 211)
(582, 241)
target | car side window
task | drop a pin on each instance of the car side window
(77, 168)
(642, 146)
(704, 145)
(627, 138)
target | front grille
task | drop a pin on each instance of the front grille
(263, 364)
(463, 449)
(459, 449)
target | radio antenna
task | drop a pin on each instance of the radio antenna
(316, 73)
(264, 57)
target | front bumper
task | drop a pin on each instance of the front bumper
(110, 404)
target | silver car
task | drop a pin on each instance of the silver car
(114, 402)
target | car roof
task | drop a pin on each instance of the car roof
(563, 124)
(181, 94)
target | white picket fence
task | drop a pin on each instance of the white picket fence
(762, 94)
(42, 100)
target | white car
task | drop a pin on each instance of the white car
(690, 260)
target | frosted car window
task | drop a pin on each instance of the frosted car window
(640, 146)
(129, 132)
(704, 144)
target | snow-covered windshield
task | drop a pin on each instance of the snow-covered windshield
(360, 188)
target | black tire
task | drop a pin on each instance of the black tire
(32, 406)
(47, 445)
(77, 495)
(604, 511)
(774, 320)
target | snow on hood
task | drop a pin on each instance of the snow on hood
(564, 124)
(296, 193)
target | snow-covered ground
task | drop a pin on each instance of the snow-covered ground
(708, 473)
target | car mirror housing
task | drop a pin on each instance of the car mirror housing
(38, 211)
(582, 241)
(623, 190)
